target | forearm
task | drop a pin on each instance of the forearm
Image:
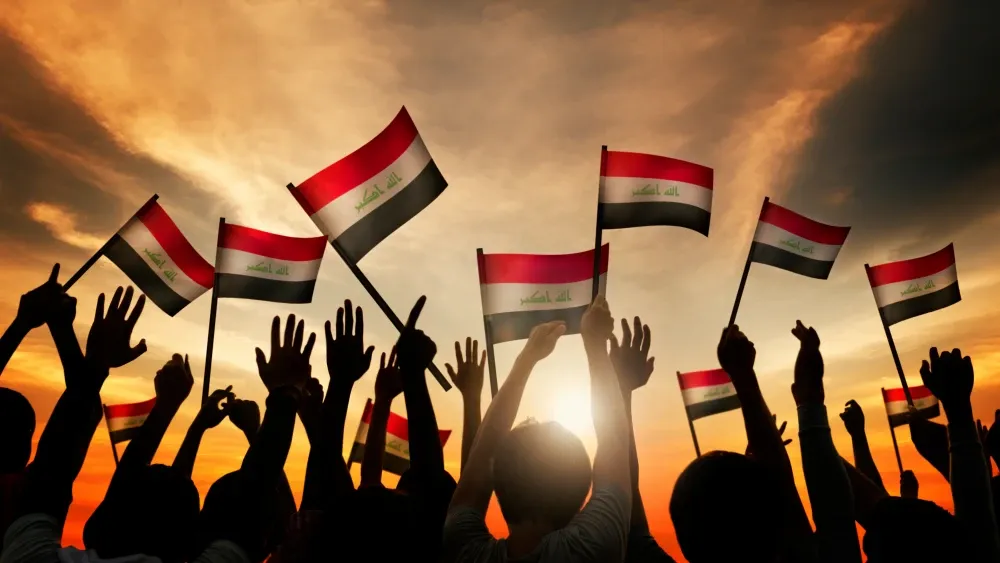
(863, 459)
(828, 486)
(68, 348)
(639, 523)
(371, 464)
(970, 481)
(184, 460)
(611, 461)
(866, 494)
(312, 427)
(142, 449)
(335, 416)
(266, 457)
(426, 453)
(931, 441)
(471, 418)
(10, 340)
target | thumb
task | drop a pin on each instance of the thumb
(381, 362)
(451, 373)
(368, 355)
(138, 350)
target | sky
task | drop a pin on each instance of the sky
(882, 115)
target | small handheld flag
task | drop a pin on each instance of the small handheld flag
(910, 288)
(124, 421)
(254, 264)
(397, 442)
(897, 409)
(784, 239)
(706, 393)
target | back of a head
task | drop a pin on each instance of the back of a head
(910, 530)
(729, 497)
(250, 519)
(541, 474)
(154, 512)
(17, 427)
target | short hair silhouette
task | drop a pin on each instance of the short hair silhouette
(154, 512)
(541, 473)
(17, 427)
(913, 531)
(726, 507)
(229, 508)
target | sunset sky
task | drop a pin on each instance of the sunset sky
(879, 114)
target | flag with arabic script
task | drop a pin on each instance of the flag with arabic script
(254, 264)
(784, 239)
(396, 459)
(910, 288)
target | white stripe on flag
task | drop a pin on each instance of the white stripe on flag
(136, 235)
(524, 297)
(780, 238)
(341, 213)
(126, 422)
(619, 189)
(399, 448)
(893, 408)
(243, 263)
(694, 395)
(901, 291)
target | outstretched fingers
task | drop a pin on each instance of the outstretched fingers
(646, 336)
(411, 322)
(308, 350)
(299, 333)
(133, 318)
(468, 349)
(626, 334)
(275, 333)
(348, 318)
(458, 353)
(289, 331)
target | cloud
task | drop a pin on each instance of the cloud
(62, 223)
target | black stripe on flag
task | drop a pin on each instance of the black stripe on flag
(715, 406)
(902, 310)
(772, 256)
(137, 270)
(391, 463)
(125, 434)
(505, 327)
(364, 235)
(263, 289)
(649, 214)
(904, 417)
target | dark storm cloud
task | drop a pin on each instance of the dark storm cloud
(912, 143)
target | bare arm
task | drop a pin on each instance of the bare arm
(854, 421)
(371, 464)
(467, 375)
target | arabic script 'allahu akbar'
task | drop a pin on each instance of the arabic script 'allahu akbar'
(391, 182)
(396, 445)
(268, 268)
(159, 261)
(539, 297)
(915, 287)
(797, 245)
(654, 189)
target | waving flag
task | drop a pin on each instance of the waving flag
(639, 190)
(154, 254)
(397, 442)
(897, 409)
(258, 265)
(707, 392)
(124, 421)
(910, 288)
(521, 291)
(364, 197)
(787, 240)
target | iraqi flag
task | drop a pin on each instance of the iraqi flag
(897, 409)
(159, 260)
(254, 264)
(124, 421)
(787, 240)
(910, 288)
(641, 190)
(522, 291)
(707, 392)
(397, 445)
(363, 198)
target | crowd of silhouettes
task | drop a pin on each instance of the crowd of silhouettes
(558, 504)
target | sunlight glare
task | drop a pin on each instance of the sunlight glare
(572, 410)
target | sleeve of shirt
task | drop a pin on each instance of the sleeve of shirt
(34, 538)
(600, 532)
(466, 538)
(223, 551)
(642, 548)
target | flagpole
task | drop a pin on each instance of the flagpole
(892, 345)
(694, 436)
(211, 318)
(491, 361)
(100, 252)
(377, 297)
(746, 271)
(892, 432)
(114, 449)
(598, 231)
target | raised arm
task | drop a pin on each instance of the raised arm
(35, 309)
(212, 412)
(468, 379)
(854, 421)
(865, 493)
(931, 441)
(388, 385)
(475, 485)
(415, 352)
(245, 415)
(950, 377)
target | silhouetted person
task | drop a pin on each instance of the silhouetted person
(17, 419)
(854, 422)
(909, 530)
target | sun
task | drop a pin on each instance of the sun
(572, 410)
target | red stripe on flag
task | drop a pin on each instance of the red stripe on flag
(541, 268)
(638, 165)
(803, 226)
(397, 425)
(176, 245)
(905, 270)
(897, 395)
(349, 172)
(708, 378)
(132, 409)
(279, 247)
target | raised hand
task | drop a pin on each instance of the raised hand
(991, 443)
(311, 405)
(949, 376)
(808, 385)
(908, 484)
(414, 350)
(542, 340)
(41, 304)
(173, 382)
(216, 408)
(288, 364)
(109, 341)
(736, 354)
(468, 376)
(854, 418)
(781, 434)
(389, 381)
(597, 325)
(631, 358)
(347, 359)
(245, 415)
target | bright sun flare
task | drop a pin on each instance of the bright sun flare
(572, 410)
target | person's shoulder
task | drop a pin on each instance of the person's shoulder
(608, 499)
(223, 551)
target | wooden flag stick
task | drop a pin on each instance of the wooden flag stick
(892, 347)
(211, 319)
(895, 446)
(598, 231)
(694, 436)
(746, 272)
(490, 360)
(114, 449)
(100, 252)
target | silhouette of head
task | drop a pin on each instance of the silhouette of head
(232, 513)
(724, 508)
(913, 531)
(17, 426)
(541, 474)
(153, 512)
